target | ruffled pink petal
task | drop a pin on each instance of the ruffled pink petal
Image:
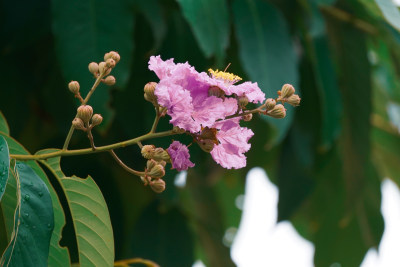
(233, 142)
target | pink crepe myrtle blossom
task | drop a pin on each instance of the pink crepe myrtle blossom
(180, 157)
(185, 94)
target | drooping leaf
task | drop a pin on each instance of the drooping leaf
(58, 256)
(329, 95)
(90, 216)
(84, 32)
(209, 20)
(266, 51)
(4, 165)
(3, 124)
(33, 221)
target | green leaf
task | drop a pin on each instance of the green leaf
(266, 51)
(33, 223)
(209, 20)
(4, 165)
(3, 124)
(84, 32)
(58, 256)
(328, 92)
(390, 11)
(152, 11)
(90, 216)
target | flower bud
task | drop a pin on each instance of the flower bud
(110, 63)
(206, 145)
(160, 155)
(243, 101)
(248, 117)
(104, 69)
(277, 112)
(158, 185)
(270, 104)
(96, 119)
(293, 100)
(154, 169)
(149, 95)
(94, 68)
(215, 91)
(114, 55)
(74, 87)
(148, 151)
(287, 90)
(109, 80)
(85, 112)
(78, 124)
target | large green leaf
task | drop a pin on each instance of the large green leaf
(390, 11)
(84, 32)
(58, 256)
(266, 51)
(151, 10)
(3, 124)
(209, 20)
(89, 215)
(33, 221)
(328, 92)
(4, 165)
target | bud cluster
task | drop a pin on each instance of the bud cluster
(154, 171)
(157, 158)
(287, 94)
(104, 68)
(85, 119)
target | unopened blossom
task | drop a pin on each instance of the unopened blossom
(180, 157)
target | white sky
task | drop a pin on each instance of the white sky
(259, 241)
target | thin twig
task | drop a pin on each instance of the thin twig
(120, 162)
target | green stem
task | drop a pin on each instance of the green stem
(74, 152)
(156, 120)
(244, 113)
(128, 169)
(71, 130)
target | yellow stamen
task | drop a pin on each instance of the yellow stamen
(225, 76)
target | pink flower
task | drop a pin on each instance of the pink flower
(179, 154)
(185, 94)
(233, 143)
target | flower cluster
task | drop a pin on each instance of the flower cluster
(202, 105)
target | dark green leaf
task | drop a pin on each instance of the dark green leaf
(152, 11)
(266, 51)
(209, 20)
(33, 223)
(90, 216)
(58, 256)
(329, 96)
(4, 165)
(84, 32)
(3, 124)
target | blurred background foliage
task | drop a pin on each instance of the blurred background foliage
(327, 157)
